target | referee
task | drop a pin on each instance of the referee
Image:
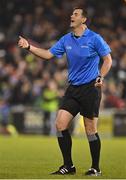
(83, 49)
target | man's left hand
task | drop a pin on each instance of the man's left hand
(99, 81)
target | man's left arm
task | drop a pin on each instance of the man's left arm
(103, 50)
(107, 63)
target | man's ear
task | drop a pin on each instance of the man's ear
(84, 20)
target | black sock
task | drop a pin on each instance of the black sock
(95, 147)
(65, 144)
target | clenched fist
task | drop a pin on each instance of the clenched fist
(99, 81)
(23, 43)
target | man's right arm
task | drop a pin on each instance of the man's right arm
(42, 53)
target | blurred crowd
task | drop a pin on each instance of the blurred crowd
(30, 81)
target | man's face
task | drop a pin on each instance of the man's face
(77, 18)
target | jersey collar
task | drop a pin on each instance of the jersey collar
(85, 33)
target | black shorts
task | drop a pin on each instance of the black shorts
(83, 98)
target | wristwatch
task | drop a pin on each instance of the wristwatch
(101, 77)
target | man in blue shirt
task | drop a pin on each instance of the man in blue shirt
(83, 49)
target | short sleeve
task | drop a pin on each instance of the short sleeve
(101, 46)
(58, 48)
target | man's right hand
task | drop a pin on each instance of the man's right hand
(23, 43)
(42, 53)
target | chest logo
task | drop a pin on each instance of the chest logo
(68, 47)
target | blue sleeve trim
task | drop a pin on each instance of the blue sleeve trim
(105, 53)
(54, 53)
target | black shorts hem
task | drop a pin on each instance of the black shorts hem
(89, 116)
(72, 113)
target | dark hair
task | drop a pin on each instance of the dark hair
(84, 12)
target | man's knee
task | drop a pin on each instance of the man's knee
(90, 130)
(60, 126)
(90, 126)
(63, 119)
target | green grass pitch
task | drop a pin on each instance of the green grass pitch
(35, 157)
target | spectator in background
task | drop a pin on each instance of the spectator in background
(4, 117)
(50, 102)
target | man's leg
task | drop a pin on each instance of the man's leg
(64, 139)
(68, 109)
(94, 142)
(65, 143)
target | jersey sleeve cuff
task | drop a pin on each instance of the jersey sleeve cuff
(56, 55)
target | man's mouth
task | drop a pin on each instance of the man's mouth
(72, 21)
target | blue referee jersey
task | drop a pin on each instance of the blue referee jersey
(83, 55)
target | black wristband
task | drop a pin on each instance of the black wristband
(28, 48)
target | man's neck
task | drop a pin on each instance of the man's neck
(79, 30)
